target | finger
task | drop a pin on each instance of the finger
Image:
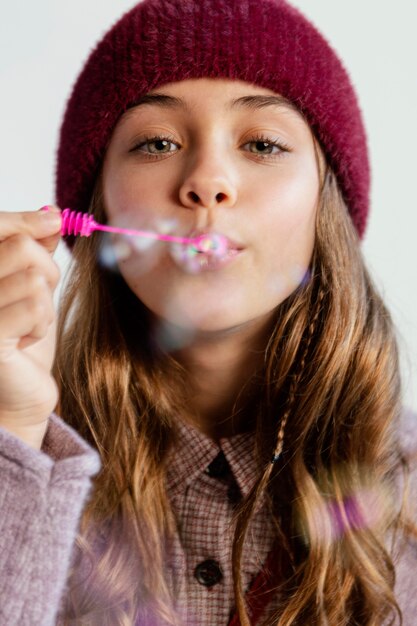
(37, 333)
(46, 344)
(38, 224)
(50, 243)
(28, 282)
(26, 318)
(21, 252)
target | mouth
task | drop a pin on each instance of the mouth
(210, 242)
(207, 251)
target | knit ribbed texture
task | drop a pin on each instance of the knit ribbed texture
(265, 42)
(41, 501)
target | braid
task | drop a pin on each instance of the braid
(242, 521)
(326, 177)
(295, 379)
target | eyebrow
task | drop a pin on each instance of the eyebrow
(254, 103)
(251, 103)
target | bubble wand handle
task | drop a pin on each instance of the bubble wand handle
(82, 224)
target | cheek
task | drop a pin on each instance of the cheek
(290, 206)
(288, 230)
(129, 198)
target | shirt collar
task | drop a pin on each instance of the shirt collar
(193, 451)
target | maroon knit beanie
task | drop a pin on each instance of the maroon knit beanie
(264, 42)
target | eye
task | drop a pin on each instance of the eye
(153, 146)
(260, 146)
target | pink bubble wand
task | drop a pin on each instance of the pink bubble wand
(77, 223)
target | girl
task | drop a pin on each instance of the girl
(236, 397)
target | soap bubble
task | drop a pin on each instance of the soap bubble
(116, 249)
(281, 284)
(142, 244)
(171, 338)
(299, 275)
(112, 252)
(166, 226)
(212, 243)
(194, 256)
(365, 507)
(189, 258)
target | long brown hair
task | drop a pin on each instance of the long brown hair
(331, 373)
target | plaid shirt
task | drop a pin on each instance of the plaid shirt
(205, 481)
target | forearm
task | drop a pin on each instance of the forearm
(41, 501)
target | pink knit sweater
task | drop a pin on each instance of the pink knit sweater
(42, 495)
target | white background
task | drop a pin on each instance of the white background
(44, 43)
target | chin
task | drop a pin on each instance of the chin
(174, 333)
(206, 324)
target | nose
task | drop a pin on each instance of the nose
(208, 185)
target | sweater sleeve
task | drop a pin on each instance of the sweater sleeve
(42, 495)
(406, 558)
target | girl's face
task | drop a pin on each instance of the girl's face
(214, 155)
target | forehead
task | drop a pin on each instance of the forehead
(218, 95)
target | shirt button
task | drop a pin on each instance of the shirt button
(208, 573)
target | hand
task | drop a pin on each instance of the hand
(28, 278)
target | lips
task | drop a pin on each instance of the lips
(229, 244)
(210, 251)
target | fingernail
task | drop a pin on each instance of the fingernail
(50, 208)
(51, 213)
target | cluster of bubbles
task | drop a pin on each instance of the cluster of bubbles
(119, 248)
(192, 256)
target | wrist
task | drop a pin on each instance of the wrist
(33, 435)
